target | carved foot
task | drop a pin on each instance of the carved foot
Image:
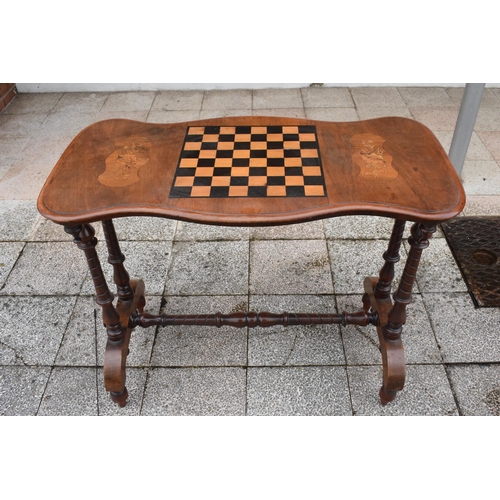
(386, 396)
(120, 398)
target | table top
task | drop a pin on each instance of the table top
(245, 171)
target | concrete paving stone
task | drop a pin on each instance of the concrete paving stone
(332, 114)
(46, 230)
(358, 227)
(285, 267)
(31, 328)
(195, 391)
(294, 345)
(307, 391)
(476, 388)
(481, 177)
(482, 206)
(135, 384)
(145, 260)
(199, 345)
(144, 229)
(202, 268)
(9, 253)
(488, 99)
(488, 120)
(426, 97)
(362, 345)
(42, 151)
(464, 334)
(304, 231)
(70, 392)
(160, 116)
(496, 92)
(327, 97)
(180, 100)
(442, 118)
(206, 114)
(78, 346)
(188, 231)
(53, 268)
(372, 112)
(353, 261)
(17, 219)
(80, 102)
(3, 170)
(492, 141)
(379, 97)
(476, 151)
(281, 112)
(426, 392)
(21, 388)
(109, 114)
(227, 99)
(33, 103)
(141, 340)
(129, 101)
(277, 98)
(438, 270)
(66, 124)
(23, 183)
(11, 148)
(21, 125)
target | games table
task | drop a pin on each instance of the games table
(253, 171)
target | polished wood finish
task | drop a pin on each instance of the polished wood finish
(253, 171)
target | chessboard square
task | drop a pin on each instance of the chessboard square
(258, 145)
(208, 153)
(240, 171)
(241, 162)
(202, 181)
(190, 154)
(258, 137)
(209, 145)
(206, 162)
(227, 130)
(180, 192)
(290, 137)
(221, 181)
(309, 153)
(211, 138)
(307, 129)
(276, 190)
(295, 191)
(290, 129)
(293, 171)
(223, 162)
(259, 130)
(219, 192)
(310, 162)
(184, 181)
(238, 190)
(293, 162)
(246, 138)
(196, 131)
(311, 171)
(274, 129)
(212, 129)
(204, 172)
(276, 162)
(258, 162)
(200, 191)
(274, 171)
(274, 137)
(274, 144)
(257, 191)
(224, 154)
(259, 180)
(308, 138)
(314, 190)
(239, 181)
(275, 153)
(222, 171)
(223, 146)
(243, 129)
(190, 146)
(294, 180)
(313, 181)
(185, 172)
(238, 146)
(257, 153)
(308, 145)
(226, 138)
(276, 180)
(292, 153)
(258, 171)
(188, 162)
(291, 144)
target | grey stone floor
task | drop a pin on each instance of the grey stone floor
(51, 336)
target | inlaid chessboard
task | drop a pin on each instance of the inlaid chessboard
(249, 161)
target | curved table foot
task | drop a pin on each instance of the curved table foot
(115, 356)
(393, 358)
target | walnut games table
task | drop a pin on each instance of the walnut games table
(253, 171)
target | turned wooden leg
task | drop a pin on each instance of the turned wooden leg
(396, 318)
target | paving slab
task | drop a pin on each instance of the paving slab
(195, 391)
(144, 229)
(286, 112)
(464, 334)
(377, 97)
(46, 230)
(32, 328)
(9, 253)
(332, 97)
(199, 345)
(128, 101)
(367, 113)
(11, 148)
(427, 392)
(33, 103)
(188, 100)
(174, 116)
(332, 114)
(362, 227)
(476, 150)
(227, 99)
(188, 231)
(70, 391)
(426, 96)
(277, 98)
(481, 177)
(294, 345)
(289, 267)
(21, 389)
(488, 120)
(206, 114)
(53, 268)
(294, 391)
(362, 346)
(80, 102)
(476, 388)
(482, 206)
(492, 141)
(436, 118)
(21, 125)
(304, 231)
(66, 124)
(204, 268)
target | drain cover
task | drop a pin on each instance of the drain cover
(475, 243)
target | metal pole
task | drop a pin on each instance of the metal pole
(465, 124)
